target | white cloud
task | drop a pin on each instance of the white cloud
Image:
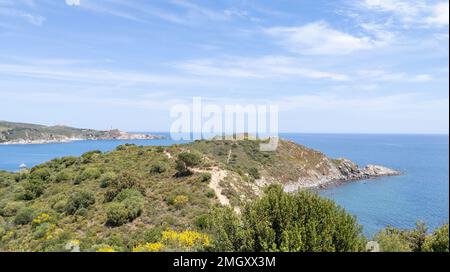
(320, 39)
(263, 67)
(73, 2)
(37, 20)
(411, 12)
(381, 75)
(439, 15)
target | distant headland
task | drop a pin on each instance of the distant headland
(22, 133)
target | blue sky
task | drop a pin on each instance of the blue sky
(363, 66)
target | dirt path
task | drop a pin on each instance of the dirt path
(168, 154)
(217, 175)
(229, 157)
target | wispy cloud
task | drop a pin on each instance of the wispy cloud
(319, 38)
(73, 2)
(411, 12)
(262, 67)
(385, 76)
(61, 71)
(34, 19)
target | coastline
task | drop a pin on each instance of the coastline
(69, 140)
(327, 183)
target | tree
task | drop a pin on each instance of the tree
(280, 221)
(185, 161)
(438, 241)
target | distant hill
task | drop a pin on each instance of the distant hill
(126, 197)
(21, 133)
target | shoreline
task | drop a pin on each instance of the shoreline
(326, 184)
(70, 140)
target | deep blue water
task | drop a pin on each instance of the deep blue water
(421, 194)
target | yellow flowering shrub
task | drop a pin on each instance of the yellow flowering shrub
(52, 232)
(180, 200)
(149, 247)
(186, 240)
(105, 249)
(41, 218)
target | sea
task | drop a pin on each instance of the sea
(420, 194)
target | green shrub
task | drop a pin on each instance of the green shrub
(107, 179)
(89, 157)
(63, 176)
(24, 216)
(126, 207)
(8, 209)
(78, 200)
(33, 189)
(186, 160)
(117, 214)
(438, 241)
(279, 221)
(205, 177)
(210, 193)
(40, 174)
(416, 240)
(158, 168)
(124, 181)
(254, 173)
(88, 174)
(69, 161)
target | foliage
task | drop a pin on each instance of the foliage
(204, 177)
(88, 174)
(124, 181)
(24, 216)
(33, 188)
(416, 240)
(186, 160)
(186, 240)
(149, 247)
(79, 200)
(281, 221)
(438, 241)
(126, 207)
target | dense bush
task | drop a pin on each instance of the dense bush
(158, 168)
(40, 174)
(88, 173)
(125, 180)
(89, 156)
(107, 179)
(79, 200)
(186, 160)
(204, 177)
(63, 176)
(8, 209)
(254, 173)
(127, 206)
(417, 240)
(33, 188)
(279, 221)
(438, 241)
(24, 216)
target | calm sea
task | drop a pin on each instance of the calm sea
(421, 194)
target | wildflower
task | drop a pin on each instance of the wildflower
(149, 247)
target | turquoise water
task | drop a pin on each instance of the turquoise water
(421, 194)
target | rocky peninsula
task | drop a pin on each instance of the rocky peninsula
(21, 133)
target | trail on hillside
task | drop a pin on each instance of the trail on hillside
(217, 175)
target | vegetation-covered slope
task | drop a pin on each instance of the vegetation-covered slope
(20, 133)
(151, 198)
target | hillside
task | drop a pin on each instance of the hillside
(20, 133)
(128, 196)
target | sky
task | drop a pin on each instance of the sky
(344, 66)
